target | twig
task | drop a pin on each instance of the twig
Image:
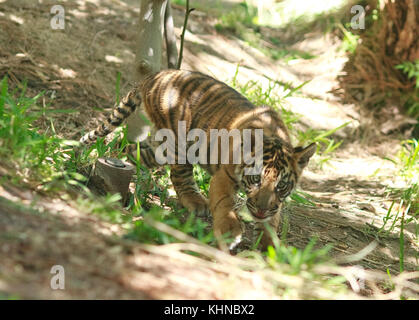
(182, 37)
(359, 255)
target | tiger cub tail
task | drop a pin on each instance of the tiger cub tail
(119, 114)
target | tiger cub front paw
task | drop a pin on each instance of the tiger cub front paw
(228, 224)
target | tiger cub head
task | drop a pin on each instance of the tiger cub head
(282, 166)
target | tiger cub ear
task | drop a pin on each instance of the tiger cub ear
(302, 155)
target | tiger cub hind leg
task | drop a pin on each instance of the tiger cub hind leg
(187, 190)
(222, 196)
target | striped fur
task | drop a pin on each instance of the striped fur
(121, 111)
(205, 103)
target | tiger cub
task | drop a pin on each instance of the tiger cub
(171, 98)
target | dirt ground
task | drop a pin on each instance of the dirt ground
(78, 66)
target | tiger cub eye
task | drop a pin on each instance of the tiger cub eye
(256, 179)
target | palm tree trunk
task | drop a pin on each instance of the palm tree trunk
(391, 40)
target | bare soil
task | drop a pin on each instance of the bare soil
(77, 68)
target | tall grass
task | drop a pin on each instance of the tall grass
(404, 211)
(38, 156)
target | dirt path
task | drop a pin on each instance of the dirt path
(97, 263)
(78, 67)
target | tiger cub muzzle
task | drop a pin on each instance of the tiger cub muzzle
(263, 200)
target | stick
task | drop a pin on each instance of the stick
(182, 37)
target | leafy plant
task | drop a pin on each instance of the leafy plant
(202, 178)
(302, 198)
(411, 69)
(298, 259)
(349, 41)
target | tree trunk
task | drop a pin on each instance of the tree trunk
(170, 37)
(389, 41)
(402, 32)
(150, 37)
(148, 57)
